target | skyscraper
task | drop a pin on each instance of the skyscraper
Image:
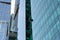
(46, 16)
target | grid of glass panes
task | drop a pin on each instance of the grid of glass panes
(4, 19)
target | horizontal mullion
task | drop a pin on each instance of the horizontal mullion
(5, 2)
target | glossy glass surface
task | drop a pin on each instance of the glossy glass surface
(46, 16)
(4, 12)
(4, 17)
(3, 31)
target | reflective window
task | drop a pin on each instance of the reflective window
(3, 31)
(4, 16)
(4, 12)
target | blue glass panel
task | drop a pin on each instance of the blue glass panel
(4, 12)
(3, 29)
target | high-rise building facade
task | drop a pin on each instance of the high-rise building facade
(4, 19)
(46, 19)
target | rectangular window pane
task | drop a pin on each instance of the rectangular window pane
(4, 12)
(3, 31)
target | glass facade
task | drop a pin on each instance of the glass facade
(22, 21)
(46, 15)
(4, 19)
(3, 31)
(13, 27)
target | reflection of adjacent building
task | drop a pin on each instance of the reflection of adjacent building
(13, 28)
(8, 21)
(13, 21)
